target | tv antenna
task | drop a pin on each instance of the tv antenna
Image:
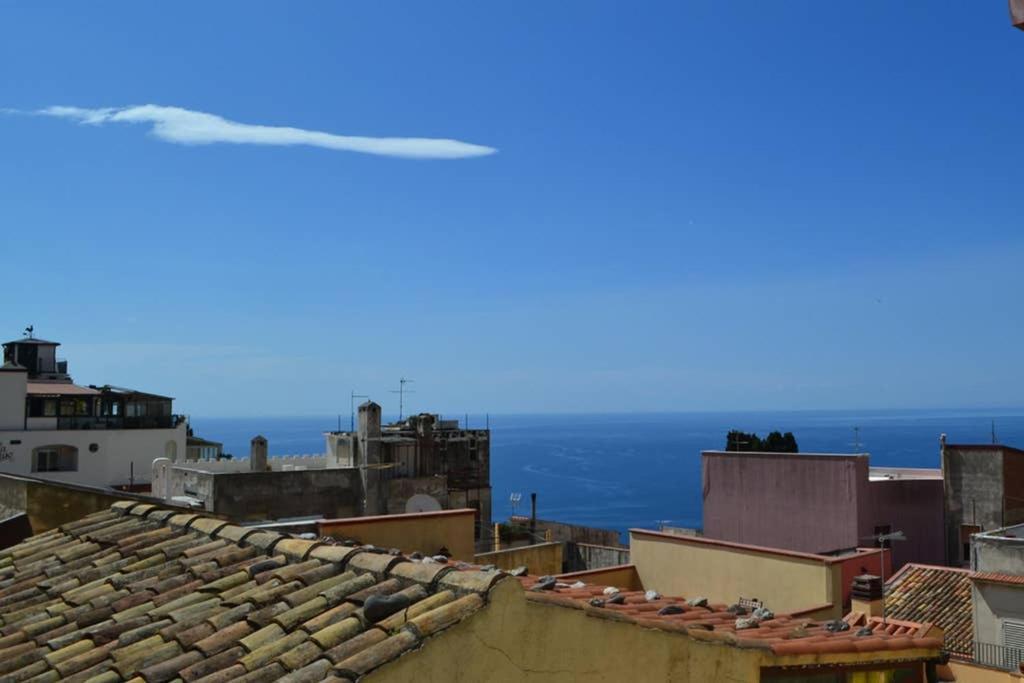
(883, 541)
(402, 391)
(857, 445)
(352, 410)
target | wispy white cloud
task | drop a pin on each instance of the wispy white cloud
(187, 127)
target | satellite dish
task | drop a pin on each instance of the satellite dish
(421, 502)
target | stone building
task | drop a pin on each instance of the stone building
(419, 464)
(984, 490)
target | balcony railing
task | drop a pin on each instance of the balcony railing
(110, 422)
(998, 656)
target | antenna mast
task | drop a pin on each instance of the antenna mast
(402, 391)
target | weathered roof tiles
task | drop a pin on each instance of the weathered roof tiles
(141, 593)
(782, 634)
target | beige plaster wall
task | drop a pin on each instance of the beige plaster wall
(542, 558)
(690, 568)
(425, 532)
(513, 639)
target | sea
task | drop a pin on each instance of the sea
(620, 471)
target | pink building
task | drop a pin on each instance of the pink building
(822, 503)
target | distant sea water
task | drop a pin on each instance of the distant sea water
(640, 470)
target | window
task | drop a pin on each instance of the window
(55, 459)
(965, 540)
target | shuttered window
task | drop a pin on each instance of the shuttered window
(1013, 634)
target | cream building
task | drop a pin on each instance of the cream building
(51, 427)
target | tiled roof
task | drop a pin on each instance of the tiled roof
(782, 634)
(940, 595)
(993, 577)
(138, 592)
(58, 389)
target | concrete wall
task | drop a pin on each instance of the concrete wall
(425, 532)
(117, 450)
(583, 556)
(12, 399)
(725, 572)
(998, 554)
(914, 506)
(973, 479)
(279, 495)
(993, 604)
(807, 503)
(544, 559)
(514, 640)
(560, 531)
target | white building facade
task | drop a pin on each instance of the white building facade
(103, 436)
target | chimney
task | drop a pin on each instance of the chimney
(258, 454)
(867, 595)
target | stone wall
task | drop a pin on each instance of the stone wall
(278, 495)
(584, 556)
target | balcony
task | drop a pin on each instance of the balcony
(93, 422)
(996, 656)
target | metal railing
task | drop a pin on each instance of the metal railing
(998, 656)
(118, 422)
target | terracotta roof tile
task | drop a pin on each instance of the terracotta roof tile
(937, 595)
(782, 634)
(140, 593)
(994, 577)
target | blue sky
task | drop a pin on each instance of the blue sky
(692, 206)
